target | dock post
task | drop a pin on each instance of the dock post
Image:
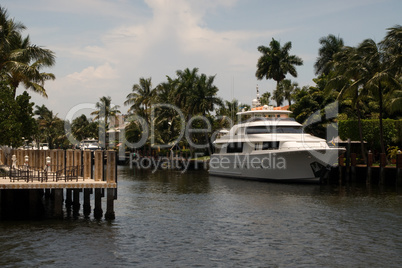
(109, 215)
(340, 166)
(78, 161)
(61, 158)
(383, 163)
(98, 204)
(353, 166)
(76, 202)
(110, 177)
(98, 176)
(369, 164)
(2, 158)
(58, 203)
(399, 169)
(87, 165)
(98, 172)
(348, 160)
(69, 199)
(87, 202)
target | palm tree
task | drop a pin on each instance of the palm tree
(275, 62)
(141, 97)
(265, 98)
(278, 95)
(392, 47)
(202, 100)
(21, 61)
(105, 110)
(346, 75)
(330, 45)
(286, 89)
(378, 78)
(184, 84)
(49, 126)
(203, 96)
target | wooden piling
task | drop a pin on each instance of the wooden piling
(61, 158)
(69, 199)
(76, 202)
(399, 169)
(98, 172)
(53, 161)
(348, 152)
(87, 202)
(2, 158)
(32, 191)
(58, 203)
(98, 212)
(111, 177)
(353, 162)
(340, 166)
(369, 165)
(78, 160)
(109, 215)
(383, 163)
(69, 158)
(87, 161)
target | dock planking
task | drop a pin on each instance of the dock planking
(94, 173)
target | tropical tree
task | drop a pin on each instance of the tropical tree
(10, 128)
(25, 116)
(141, 97)
(184, 83)
(330, 45)
(82, 128)
(265, 98)
(377, 77)
(278, 96)
(21, 61)
(51, 127)
(392, 47)
(346, 77)
(202, 101)
(275, 62)
(105, 110)
(286, 89)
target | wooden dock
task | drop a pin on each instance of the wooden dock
(348, 170)
(32, 180)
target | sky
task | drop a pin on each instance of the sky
(103, 47)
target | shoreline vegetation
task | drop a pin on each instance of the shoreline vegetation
(361, 84)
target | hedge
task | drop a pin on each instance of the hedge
(371, 131)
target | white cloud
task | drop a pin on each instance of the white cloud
(99, 73)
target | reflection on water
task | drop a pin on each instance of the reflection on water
(174, 219)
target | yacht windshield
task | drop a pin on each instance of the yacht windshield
(273, 129)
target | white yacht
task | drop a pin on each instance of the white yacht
(270, 145)
(89, 144)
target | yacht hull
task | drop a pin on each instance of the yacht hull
(300, 165)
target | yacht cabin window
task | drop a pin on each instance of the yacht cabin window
(267, 145)
(234, 147)
(273, 129)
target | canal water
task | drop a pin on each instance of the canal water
(174, 219)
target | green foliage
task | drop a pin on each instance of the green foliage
(16, 117)
(10, 127)
(392, 151)
(83, 128)
(25, 116)
(371, 131)
(309, 108)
